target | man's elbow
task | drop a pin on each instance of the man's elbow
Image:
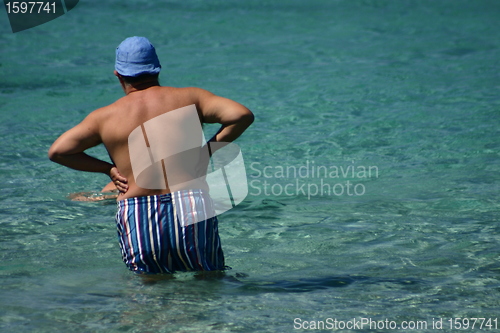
(247, 118)
(53, 154)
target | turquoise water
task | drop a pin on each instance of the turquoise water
(408, 88)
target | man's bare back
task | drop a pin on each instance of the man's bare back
(112, 125)
(120, 118)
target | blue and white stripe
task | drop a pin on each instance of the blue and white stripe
(161, 233)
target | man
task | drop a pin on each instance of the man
(151, 237)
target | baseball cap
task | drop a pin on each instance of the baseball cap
(136, 56)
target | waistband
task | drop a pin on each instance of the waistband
(182, 194)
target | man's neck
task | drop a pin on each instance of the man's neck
(130, 88)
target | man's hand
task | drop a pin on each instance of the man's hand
(117, 179)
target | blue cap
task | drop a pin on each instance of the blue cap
(136, 56)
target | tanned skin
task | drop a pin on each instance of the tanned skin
(143, 100)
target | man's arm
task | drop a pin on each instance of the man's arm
(69, 148)
(234, 117)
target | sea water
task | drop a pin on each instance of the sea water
(372, 167)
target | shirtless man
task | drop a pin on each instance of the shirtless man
(151, 238)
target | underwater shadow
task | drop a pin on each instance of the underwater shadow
(312, 284)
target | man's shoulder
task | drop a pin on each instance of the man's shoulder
(184, 91)
(194, 91)
(103, 112)
(189, 95)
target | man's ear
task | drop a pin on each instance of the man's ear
(118, 75)
(120, 78)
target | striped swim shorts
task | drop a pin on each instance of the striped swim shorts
(167, 233)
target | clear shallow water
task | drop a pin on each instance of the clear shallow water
(409, 87)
